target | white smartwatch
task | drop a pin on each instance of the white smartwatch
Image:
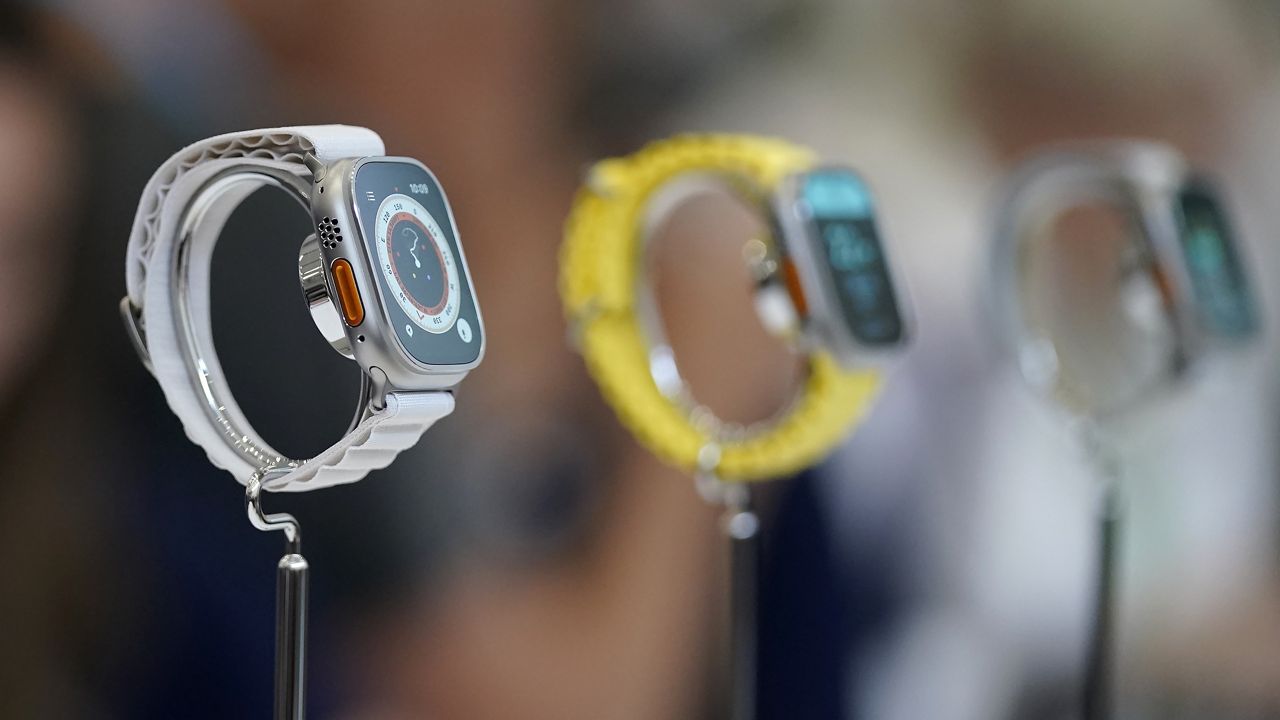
(384, 276)
(1183, 254)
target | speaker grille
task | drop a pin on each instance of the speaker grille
(329, 233)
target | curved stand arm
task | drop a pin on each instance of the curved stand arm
(292, 579)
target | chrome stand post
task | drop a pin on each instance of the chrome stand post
(1097, 689)
(292, 575)
(1097, 703)
(741, 526)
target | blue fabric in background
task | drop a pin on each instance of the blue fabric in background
(813, 615)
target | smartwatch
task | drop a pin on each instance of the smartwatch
(384, 276)
(1183, 250)
(823, 281)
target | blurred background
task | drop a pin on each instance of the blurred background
(528, 559)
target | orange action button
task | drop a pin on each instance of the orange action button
(791, 276)
(344, 281)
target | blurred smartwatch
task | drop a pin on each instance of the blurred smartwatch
(823, 282)
(1182, 249)
(384, 276)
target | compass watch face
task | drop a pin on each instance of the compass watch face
(850, 255)
(417, 263)
(1217, 278)
(415, 256)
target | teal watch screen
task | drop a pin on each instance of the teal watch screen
(847, 242)
(1221, 291)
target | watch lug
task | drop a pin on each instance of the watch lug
(133, 327)
(380, 386)
(316, 167)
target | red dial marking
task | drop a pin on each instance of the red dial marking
(395, 270)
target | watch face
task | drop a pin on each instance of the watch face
(417, 263)
(413, 249)
(1221, 292)
(850, 255)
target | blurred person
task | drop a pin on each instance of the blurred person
(39, 146)
(73, 588)
(35, 132)
(527, 558)
(622, 626)
(483, 94)
(966, 480)
(95, 591)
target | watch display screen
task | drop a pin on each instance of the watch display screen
(414, 255)
(1221, 292)
(851, 255)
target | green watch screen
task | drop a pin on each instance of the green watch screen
(853, 259)
(1218, 281)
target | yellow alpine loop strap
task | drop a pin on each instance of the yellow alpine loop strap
(602, 265)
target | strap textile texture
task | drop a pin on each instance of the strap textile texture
(602, 263)
(285, 145)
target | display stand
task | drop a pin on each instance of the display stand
(1182, 252)
(292, 577)
(741, 527)
(799, 294)
(1097, 701)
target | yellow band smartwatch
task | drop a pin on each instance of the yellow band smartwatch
(824, 260)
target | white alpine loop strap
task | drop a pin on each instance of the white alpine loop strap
(180, 215)
(1138, 178)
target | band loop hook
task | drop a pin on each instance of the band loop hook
(273, 521)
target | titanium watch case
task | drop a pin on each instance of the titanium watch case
(1152, 185)
(821, 314)
(374, 343)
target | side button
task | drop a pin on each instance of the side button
(344, 282)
